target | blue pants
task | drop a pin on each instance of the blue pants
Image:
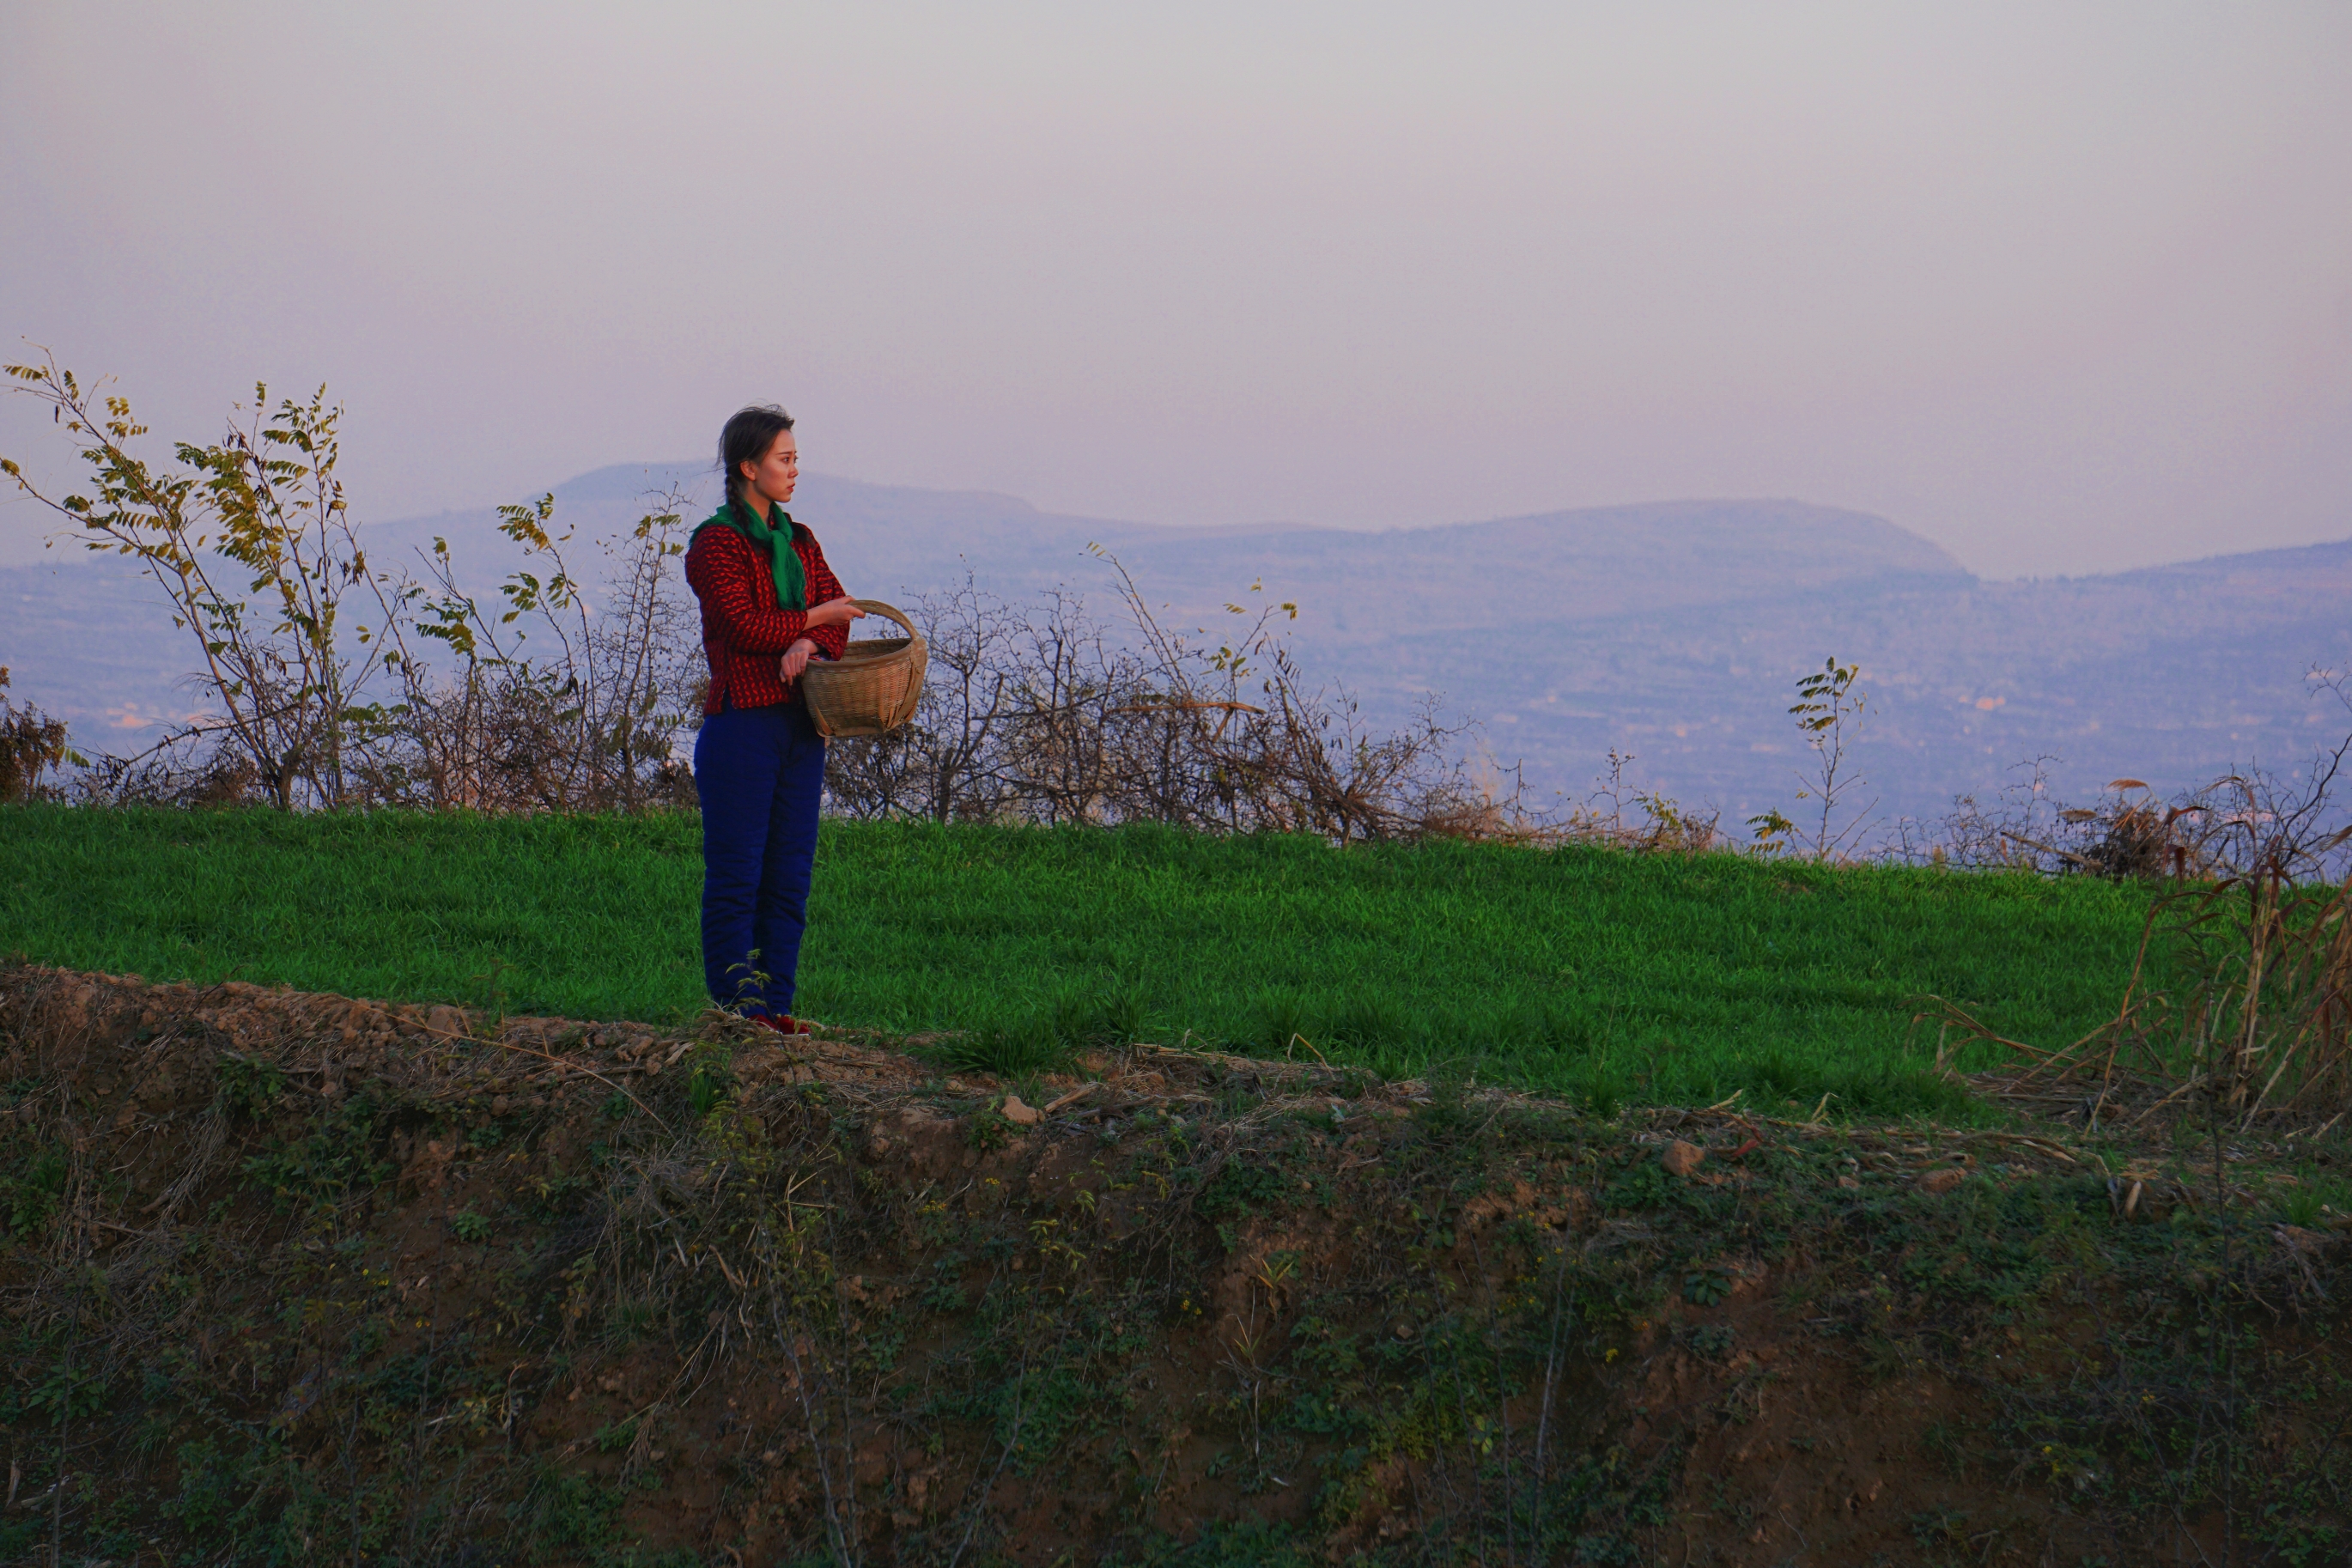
(759, 773)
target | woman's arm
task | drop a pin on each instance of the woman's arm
(824, 587)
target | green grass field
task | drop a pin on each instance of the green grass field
(1592, 972)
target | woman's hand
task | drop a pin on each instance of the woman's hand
(835, 613)
(796, 658)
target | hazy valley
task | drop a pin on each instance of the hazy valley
(1673, 631)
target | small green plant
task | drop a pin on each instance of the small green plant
(942, 1295)
(1670, 825)
(335, 1155)
(1940, 1528)
(490, 987)
(1275, 1271)
(1242, 1189)
(1706, 1287)
(1280, 1017)
(1829, 711)
(1008, 1049)
(1772, 832)
(1367, 1023)
(1948, 1441)
(988, 1129)
(710, 1079)
(1712, 1341)
(573, 1516)
(471, 1227)
(1081, 1014)
(1605, 1091)
(2303, 1205)
(249, 1088)
(68, 1394)
(30, 1197)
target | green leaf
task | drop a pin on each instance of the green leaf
(1705, 1287)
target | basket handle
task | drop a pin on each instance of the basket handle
(888, 612)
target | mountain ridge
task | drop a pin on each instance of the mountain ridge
(1672, 629)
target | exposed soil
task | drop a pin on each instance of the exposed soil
(298, 1278)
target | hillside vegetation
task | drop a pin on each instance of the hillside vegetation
(1592, 972)
(298, 1279)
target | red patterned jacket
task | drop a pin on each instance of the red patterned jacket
(743, 632)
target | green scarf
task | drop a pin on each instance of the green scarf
(776, 544)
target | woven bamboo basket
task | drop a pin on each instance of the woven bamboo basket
(873, 687)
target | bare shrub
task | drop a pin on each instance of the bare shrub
(2004, 831)
(1658, 825)
(2256, 938)
(1043, 714)
(2125, 835)
(2268, 1025)
(592, 725)
(2129, 838)
(2219, 830)
(946, 764)
(1670, 827)
(2267, 934)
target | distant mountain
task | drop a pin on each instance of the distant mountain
(1675, 631)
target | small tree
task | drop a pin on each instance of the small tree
(249, 541)
(1830, 707)
(260, 559)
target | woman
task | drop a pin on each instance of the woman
(770, 605)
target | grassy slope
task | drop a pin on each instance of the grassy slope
(1576, 969)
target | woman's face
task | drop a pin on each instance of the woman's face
(774, 474)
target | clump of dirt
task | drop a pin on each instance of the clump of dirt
(292, 1276)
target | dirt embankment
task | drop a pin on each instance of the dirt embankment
(296, 1277)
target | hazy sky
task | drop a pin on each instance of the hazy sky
(2061, 286)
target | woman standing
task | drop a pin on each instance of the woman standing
(770, 605)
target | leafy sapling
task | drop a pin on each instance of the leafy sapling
(1830, 708)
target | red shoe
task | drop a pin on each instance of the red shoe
(787, 1025)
